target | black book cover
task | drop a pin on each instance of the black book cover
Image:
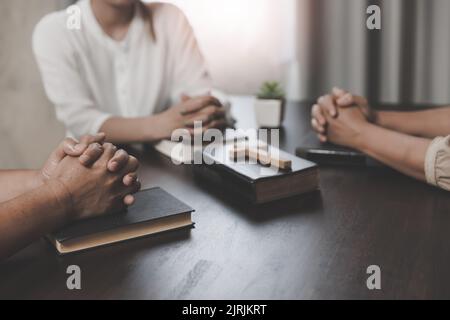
(240, 178)
(329, 154)
(151, 204)
(253, 172)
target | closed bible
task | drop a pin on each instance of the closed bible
(254, 182)
(154, 211)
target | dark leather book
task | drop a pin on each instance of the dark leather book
(154, 211)
(329, 154)
(254, 182)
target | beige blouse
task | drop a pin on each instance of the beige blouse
(437, 163)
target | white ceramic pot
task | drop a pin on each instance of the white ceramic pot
(269, 113)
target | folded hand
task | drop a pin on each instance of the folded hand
(332, 104)
(87, 151)
(94, 190)
(206, 109)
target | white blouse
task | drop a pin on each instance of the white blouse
(90, 77)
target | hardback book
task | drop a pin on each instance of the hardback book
(154, 211)
(254, 182)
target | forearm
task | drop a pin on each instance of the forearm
(121, 130)
(27, 217)
(16, 182)
(428, 123)
(400, 151)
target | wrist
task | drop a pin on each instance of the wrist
(374, 116)
(383, 119)
(359, 143)
(36, 179)
(152, 127)
(62, 198)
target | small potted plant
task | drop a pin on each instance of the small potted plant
(270, 105)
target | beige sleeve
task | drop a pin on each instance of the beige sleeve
(437, 163)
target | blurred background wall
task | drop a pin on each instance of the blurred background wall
(244, 41)
(28, 128)
(406, 62)
(313, 45)
(308, 45)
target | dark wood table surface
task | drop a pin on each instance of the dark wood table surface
(316, 246)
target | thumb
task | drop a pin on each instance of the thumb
(185, 97)
(348, 100)
(67, 147)
(338, 92)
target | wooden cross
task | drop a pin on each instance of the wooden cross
(261, 155)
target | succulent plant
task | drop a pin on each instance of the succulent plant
(271, 90)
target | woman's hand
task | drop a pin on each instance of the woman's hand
(347, 128)
(94, 190)
(331, 104)
(206, 109)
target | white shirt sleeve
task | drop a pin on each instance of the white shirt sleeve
(189, 72)
(62, 81)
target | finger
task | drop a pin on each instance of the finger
(130, 179)
(92, 154)
(214, 111)
(349, 100)
(66, 147)
(129, 200)
(196, 104)
(203, 118)
(316, 112)
(185, 97)
(131, 166)
(322, 138)
(316, 126)
(216, 124)
(108, 153)
(210, 110)
(206, 116)
(131, 189)
(338, 92)
(86, 140)
(346, 100)
(118, 161)
(360, 101)
(199, 103)
(327, 102)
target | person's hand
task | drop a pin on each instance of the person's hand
(331, 104)
(206, 109)
(94, 190)
(88, 150)
(346, 129)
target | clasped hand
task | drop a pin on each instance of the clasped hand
(206, 109)
(94, 177)
(340, 118)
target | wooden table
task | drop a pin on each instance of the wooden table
(314, 246)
